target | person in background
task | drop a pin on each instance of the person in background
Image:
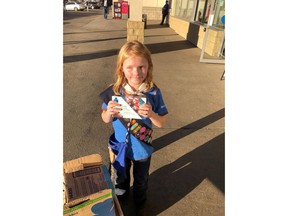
(131, 141)
(207, 13)
(105, 9)
(199, 16)
(165, 11)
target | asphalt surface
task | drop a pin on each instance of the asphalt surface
(188, 166)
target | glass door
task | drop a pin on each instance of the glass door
(213, 47)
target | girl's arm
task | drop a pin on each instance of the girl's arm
(158, 120)
(146, 111)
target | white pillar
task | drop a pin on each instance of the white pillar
(135, 10)
(135, 25)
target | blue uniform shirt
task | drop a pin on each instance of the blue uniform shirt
(137, 149)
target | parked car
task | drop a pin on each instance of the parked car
(94, 5)
(76, 6)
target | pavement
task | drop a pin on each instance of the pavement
(187, 173)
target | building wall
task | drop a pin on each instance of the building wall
(180, 26)
(135, 8)
(153, 3)
(214, 40)
(146, 3)
(153, 13)
(188, 30)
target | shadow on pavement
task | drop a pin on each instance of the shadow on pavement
(90, 56)
(92, 41)
(69, 15)
(101, 31)
(173, 136)
(169, 46)
(155, 26)
(171, 183)
(154, 48)
(147, 36)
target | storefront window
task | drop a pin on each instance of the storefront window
(190, 9)
(178, 8)
(203, 10)
(219, 13)
(184, 9)
(200, 10)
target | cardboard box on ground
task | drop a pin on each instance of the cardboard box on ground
(88, 189)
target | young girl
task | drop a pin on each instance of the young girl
(131, 140)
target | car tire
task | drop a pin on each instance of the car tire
(75, 9)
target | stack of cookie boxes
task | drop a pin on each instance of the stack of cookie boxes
(88, 189)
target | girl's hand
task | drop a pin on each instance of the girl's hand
(146, 111)
(113, 109)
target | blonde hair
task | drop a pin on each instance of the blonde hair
(132, 48)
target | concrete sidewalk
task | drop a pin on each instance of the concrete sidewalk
(187, 169)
